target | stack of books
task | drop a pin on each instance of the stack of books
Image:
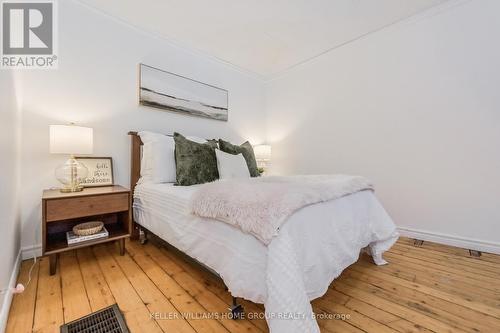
(74, 239)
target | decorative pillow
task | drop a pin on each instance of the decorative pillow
(231, 166)
(246, 149)
(158, 160)
(195, 162)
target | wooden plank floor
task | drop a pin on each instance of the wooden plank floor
(432, 288)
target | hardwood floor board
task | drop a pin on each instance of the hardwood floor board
(405, 326)
(478, 274)
(464, 259)
(22, 309)
(434, 298)
(397, 323)
(337, 297)
(338, 326)
(446, 272)
(394, 308)
(205, 297)
(356, 318)
(169, 318)
(216, 286)
(476, 267)
(468, 292)
(483, 306)
(134, 310)
(74, 295)
(174, 293)
(366, 309)
(98, 292)
(432, 288)
(453, 314)
(48, 307)
(490, 257)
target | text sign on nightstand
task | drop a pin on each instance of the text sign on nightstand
(100, 171)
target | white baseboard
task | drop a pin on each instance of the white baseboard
(465, 243)
(29, 252)
(7, 300)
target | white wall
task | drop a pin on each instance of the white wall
(413, 107)
(416, 108)
(96, 86)
(9, 208)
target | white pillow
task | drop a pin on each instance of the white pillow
(158, 160)
(231, 166)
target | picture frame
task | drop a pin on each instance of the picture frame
(100, 171)
(173, 92)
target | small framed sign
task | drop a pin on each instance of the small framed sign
(100, 171)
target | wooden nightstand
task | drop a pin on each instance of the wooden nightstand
(62, 211)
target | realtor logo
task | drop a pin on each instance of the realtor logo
(28, 34)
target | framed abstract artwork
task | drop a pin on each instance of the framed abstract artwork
(172, 92)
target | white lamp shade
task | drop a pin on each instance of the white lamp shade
(69, 139)
(262, 152)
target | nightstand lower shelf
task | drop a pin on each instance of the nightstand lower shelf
(57, 243)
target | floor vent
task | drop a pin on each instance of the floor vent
(418, 242)
(474, 253)
(108, 320)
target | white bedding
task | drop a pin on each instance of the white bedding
(261, 205)
(312, 248)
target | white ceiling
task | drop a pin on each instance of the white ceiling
(265, 37)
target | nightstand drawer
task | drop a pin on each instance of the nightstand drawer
(68, 208)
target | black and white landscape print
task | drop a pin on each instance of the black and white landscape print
(172, 92)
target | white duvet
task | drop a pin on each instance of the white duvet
(313, 247)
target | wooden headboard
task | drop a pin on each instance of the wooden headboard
(135, 159)
(135, 173)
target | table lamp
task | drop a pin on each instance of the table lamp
(262, 156)
(71, 140)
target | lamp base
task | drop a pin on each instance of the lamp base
(71, 175)
(71, 189)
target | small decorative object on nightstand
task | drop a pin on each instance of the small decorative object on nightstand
(63, 211)
(100, 171)
(263, 156)
(88, 228)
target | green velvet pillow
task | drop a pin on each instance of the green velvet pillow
(195, 163)
(246, 149)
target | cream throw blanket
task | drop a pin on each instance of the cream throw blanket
(260, 206)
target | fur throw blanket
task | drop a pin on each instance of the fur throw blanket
(260, 206)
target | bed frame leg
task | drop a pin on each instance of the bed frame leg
(143, 237)
(135, 231)
(237, 310)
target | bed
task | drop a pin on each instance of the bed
(313, 247)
